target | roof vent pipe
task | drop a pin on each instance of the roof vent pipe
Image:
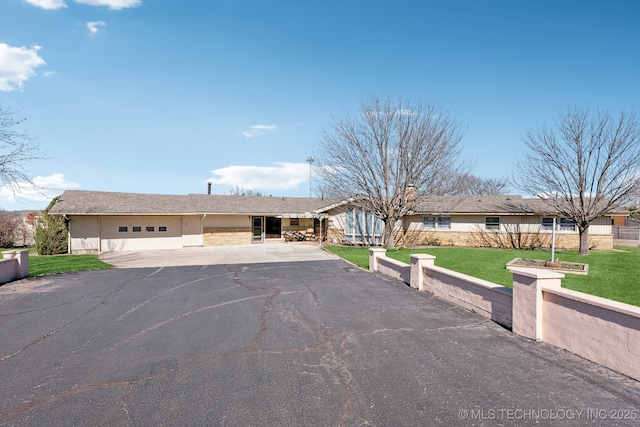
(208, 188)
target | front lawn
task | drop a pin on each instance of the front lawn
(40, 265)
(612, 274)
(50, 264)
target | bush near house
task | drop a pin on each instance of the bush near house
(51, 233)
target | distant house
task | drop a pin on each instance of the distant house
(26, 230)
(107, 221)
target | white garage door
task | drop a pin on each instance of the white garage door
(135, 233)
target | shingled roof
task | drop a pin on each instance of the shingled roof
(79, 202)
(490, 205)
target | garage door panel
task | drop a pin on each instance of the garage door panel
(141, 233)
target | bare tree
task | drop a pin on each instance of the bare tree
(9, 223)
(241, 191)
(17, 149)
(389, 155)
(471, 185)
(583, 166)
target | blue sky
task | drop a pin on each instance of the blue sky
(161, 96)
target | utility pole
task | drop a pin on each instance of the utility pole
(310, 160)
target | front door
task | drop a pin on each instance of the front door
(258, 229)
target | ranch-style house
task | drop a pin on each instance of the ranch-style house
(109, 221)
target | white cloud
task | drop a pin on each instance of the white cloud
(17, 64)
(256, 130)
(112, 4)
(283, 176)
(48, 4)
(43, 189)
(93, 26)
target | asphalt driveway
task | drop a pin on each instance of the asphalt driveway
(279, 344)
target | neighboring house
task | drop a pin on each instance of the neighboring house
(25, 234)
(105, 221)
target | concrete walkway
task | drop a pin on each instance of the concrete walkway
(211, 255)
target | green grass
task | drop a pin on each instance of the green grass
(51, 264)
(612, 274)
(40, 265)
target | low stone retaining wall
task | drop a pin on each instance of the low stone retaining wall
(603, 331)
(14, 265)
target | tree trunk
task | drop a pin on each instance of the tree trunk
(389, 238)
(584, 240)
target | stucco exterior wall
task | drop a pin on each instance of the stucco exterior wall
(192, 230)
(227, 221)
(84, 234)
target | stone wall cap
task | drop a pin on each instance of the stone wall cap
(536, 273)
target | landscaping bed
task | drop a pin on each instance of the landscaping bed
(559, 266)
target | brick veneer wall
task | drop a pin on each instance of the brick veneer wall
(227, 236)
(466, 238)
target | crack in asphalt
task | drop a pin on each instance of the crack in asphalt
(268, 306)
(145, 302)
(331, 350)
(103, 299)
(182, 316)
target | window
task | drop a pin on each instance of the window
(444, 223)
(294, 222)
(150, 229)
(492, 223)
(429, 222)
(162, 228)
(137, 229)
(439, 222)
(567, 224)
(547, 224)
(362, 227)
(273, 227)
(123, 229)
